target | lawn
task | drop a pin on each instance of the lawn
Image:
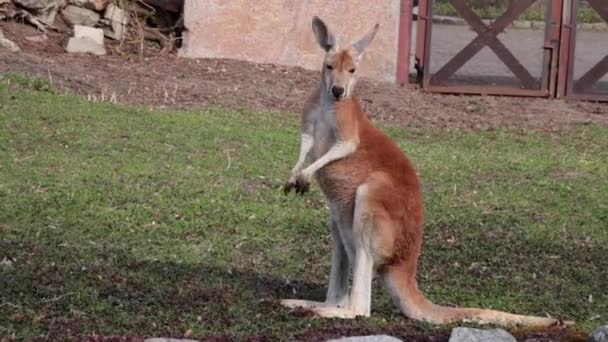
(118, 220)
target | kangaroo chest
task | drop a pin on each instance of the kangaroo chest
(324, 130)
(339, 179)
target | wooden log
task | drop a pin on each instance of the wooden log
(173, 6)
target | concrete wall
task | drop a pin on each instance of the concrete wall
(279, 31)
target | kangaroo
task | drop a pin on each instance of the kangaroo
(375, 202)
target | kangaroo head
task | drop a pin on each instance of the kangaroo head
(339, 73)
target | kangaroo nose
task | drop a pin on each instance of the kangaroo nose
(337, 91)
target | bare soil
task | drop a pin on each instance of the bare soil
(169, 81)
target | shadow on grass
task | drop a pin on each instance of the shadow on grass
(58, 292)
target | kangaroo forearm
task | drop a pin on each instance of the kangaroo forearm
(340, 150)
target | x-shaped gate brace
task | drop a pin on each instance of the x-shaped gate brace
(487, 36)
(598, 71)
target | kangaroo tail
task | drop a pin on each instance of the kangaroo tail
(412, 302)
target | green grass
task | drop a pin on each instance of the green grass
(490, 9)
(124, 221)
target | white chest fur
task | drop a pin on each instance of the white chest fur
(325, 132)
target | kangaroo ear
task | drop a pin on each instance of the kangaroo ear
(325, 39)
(363, 43)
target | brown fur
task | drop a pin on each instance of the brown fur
(391, 211)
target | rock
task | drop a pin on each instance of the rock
(91, 33)
(600, 27)
(369, 338)
(599, 335)
(79, 16)
(522, 24)
(480, 335)
(166, 339)
(538, 25)
(6, 44)
(45, 10)
(93, 5)
(118, 21)
(85, 45)
(37, 39)
(441, 19)
(34, 5)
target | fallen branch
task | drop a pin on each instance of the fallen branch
(56, 298)
(27, 17)
(166, 43)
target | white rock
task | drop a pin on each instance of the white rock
(480, 335)
(369, 338)
(599, 335)
(45, 10)
(95, 34)
(7, 44)
(37, 39)
(118, 21)
(79, 16)
(94, 5)
(35, 4)
(84, 45)
(166, 339)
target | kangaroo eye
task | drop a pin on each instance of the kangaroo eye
(352, 71)
(329, 67)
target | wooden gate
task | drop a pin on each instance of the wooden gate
(556, 49)
(587, 82)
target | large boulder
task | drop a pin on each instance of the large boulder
(45, 10)
(75, 15)
(118, 20)
(84, 45)
(91, 33)
(86, 40)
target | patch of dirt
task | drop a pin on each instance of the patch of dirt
(549, 335)
(170, 81)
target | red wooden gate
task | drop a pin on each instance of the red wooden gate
(556, 50)
(590, 83)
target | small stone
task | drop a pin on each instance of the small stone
(92, 33)
(445, 20)
(600, 27)
(37, 39)
(118, 21)
(167, 339)
(369, 338)
(79, 16)
(5, 262)
(480, 335)
(84, 45)
(522, 24)
(538, 25)
(7, 44)
(599, 335)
